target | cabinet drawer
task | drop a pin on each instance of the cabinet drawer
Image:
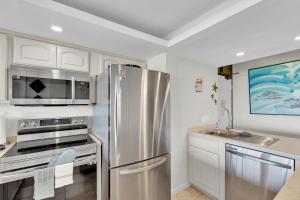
(205, 144)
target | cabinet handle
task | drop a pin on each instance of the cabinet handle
(261, 160)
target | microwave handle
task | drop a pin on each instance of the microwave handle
(73, 89)
(93, 90)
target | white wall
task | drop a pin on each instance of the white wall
(158, 62)
(32, 112)
(241, 111)
(225, 95)
(187, 110)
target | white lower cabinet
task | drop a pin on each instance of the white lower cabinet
(206, 166)
(204, 171)
(3, 66)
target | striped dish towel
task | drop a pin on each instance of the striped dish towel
(44, 183)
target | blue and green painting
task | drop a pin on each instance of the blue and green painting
(275, 90)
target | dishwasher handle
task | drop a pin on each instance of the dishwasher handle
(261, 160)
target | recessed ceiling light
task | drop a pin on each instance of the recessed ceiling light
(240, 53)
(56, 28)
(297, 37)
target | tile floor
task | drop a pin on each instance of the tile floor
(190, 194)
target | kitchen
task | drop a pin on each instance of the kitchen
(77, 43)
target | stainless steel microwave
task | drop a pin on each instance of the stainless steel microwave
(43, 86)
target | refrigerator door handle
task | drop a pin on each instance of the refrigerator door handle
(142, 169)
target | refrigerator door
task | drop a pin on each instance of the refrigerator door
(139, 121)
(149, 180)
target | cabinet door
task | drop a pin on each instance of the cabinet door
(133, 62)
(204, 170)
(108, 60)
(96, 66)
(3, 66)
(31, 52)
(72, 59)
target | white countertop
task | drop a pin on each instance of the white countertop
(286, 146)
(11, 142)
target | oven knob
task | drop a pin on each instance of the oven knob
(82, 121)
(24, 124)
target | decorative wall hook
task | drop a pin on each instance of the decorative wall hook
(214, 93)
(199, 85)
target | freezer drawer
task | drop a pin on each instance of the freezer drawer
(148, 180)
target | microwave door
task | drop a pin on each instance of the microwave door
(82, 90)
(35, 90)
(37, 86)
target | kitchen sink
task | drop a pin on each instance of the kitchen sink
(243, 136)
(221, 133)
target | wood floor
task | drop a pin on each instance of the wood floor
(190, 194)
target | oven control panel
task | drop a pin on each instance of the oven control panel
(51, 122)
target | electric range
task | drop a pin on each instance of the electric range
(39, 140)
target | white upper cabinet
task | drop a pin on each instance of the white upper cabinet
(107, 60)
(32, 52)
(72, 59)
(3, 66)
(96, 66)
(133, 62)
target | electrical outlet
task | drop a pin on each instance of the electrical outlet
(205, 118)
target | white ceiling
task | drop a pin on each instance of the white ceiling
(20, 16)
(265, 29)
(209, 31)
(155, 17)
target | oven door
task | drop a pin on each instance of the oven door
(84, 187)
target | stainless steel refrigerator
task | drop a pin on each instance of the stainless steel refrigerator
(132, 119)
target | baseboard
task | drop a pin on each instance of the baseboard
(180, 188)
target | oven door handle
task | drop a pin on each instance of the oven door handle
(142, 169)
(22, 174)
(261, 160)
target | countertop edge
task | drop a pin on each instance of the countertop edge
(290, 190)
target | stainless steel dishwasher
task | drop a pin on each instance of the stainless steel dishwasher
(255, 175)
